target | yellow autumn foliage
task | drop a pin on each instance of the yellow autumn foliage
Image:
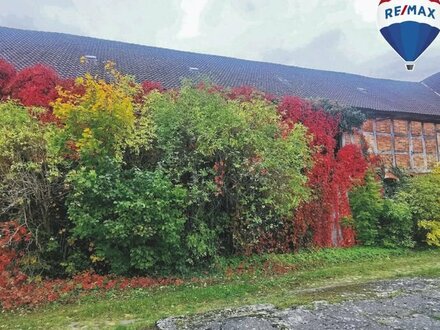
(433, 226)
(97, 115)
(433, 235)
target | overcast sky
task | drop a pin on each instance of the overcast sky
(338, 35)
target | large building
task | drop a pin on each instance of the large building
(404, 124)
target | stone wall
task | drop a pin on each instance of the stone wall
(412, 145)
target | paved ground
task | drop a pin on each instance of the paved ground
(398, 304)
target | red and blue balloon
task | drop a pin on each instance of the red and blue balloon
(409, 26)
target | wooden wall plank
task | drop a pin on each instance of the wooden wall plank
(410, 150)
(375, 137)
(393, 143)
(437, 140)
(425, 156)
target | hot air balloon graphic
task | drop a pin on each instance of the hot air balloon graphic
(409, 26)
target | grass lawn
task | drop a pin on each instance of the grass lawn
(282, 280)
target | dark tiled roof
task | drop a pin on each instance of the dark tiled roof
(433, 82)
(61, 51)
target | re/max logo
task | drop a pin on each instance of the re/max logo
(409, 10)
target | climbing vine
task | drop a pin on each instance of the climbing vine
(325, 219)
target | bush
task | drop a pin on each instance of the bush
(367, 205)
(133, 220)
(242, 169)
(237, 170)
(31, 187)
(378, 220)
(35, 86)
(433, 235)
(7, 74)
(123, 219)
(98, 121)
(396, 225)
(422, 193)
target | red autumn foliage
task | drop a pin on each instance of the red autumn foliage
(243, 92)
(210, 88)
(35, 86)
(321, 125)
(7, 73)
(149, 86)
(72, 87)
(11, 236)
(17, 290)
(318, 222)
(246, 93)
(146, 88)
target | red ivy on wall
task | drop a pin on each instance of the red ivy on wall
(324, 221)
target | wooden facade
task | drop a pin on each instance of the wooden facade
(409, 144)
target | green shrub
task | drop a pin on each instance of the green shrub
(367, 205)
(31, 185)
(396, 224)
(423, 195)
(132, 220)
(243, 171)
(380, 221)
(104, 137)
(128, 183)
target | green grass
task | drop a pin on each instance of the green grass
(322, 275)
